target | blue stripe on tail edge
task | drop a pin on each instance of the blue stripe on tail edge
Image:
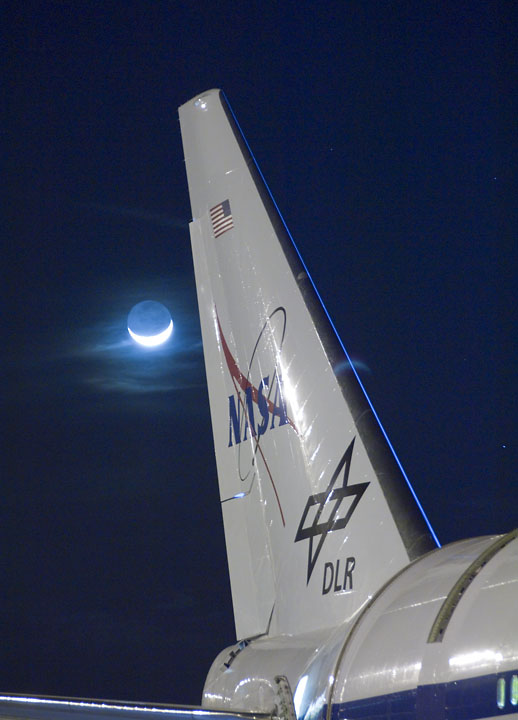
(468, 699)
(415, 529)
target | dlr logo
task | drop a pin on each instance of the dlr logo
(336, 579)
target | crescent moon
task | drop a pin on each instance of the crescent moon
(153, 340)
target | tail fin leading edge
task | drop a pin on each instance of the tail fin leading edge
(317, 511)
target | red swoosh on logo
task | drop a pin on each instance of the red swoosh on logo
(240, 379)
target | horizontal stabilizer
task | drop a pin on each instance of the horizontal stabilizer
(56, 708)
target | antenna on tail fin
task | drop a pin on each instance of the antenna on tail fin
(318, 513)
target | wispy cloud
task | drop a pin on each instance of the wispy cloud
(134, 213)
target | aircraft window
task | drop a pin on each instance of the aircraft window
(500, 693)
(514, 690)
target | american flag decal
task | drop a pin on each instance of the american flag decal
(221, 218)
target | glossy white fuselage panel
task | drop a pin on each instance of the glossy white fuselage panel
(385, 650)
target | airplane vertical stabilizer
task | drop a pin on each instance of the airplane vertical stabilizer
(317, 511)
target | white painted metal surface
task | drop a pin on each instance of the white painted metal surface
(305, 513)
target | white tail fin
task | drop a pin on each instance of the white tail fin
(317, 511)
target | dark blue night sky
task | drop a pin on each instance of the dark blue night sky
(379, 127)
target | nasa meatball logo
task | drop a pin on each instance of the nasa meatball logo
(257, 409)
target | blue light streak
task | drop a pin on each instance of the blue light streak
(334, 329)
